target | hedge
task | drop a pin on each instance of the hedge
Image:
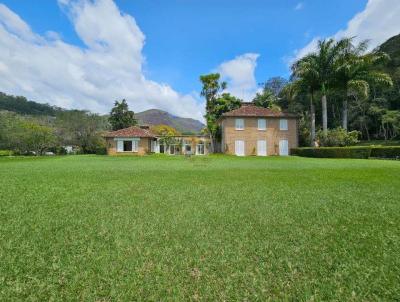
(6, 153)
(386, 152)
(349, 152)
(333, 152)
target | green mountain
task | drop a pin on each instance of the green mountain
(158, 117)
(392, 48)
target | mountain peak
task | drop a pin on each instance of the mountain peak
(161, 117)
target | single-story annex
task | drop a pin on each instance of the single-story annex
(248, 130)
(139, 140)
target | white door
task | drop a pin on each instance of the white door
(239, 148)
(262, 148)
(283, 147)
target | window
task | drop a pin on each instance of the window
(187, 146)
(239, 124)
(127, 146)
(262, 124)
(200, 148)
(283, 124)
(154, 147)
(174, 149)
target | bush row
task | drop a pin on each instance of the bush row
(385, 152)
(6, 153)
(349, 152)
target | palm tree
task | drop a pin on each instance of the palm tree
(355, 72)
(306, 79)
(320, 65)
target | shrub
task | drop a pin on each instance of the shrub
(333, 152)
(338, 137)
(101, 151)
(386, 152)
(6, 153)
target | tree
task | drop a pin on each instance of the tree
(224, 103)
(275, 85)
(211, 89)
(321, 65)
(266, 99)
(355, 72)
(307, 80)
(38, 138)
(166, 133)
(11, 130)
(121, 117)
(217, 103)
(81, 128)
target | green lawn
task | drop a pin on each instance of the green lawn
(98, 228)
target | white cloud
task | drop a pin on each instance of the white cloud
(109, 67)
(239, 74)
(299, 6)
(379, 21)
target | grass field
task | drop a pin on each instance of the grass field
(97, 228)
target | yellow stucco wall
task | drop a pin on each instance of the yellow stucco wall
(143, 148)
(251, 134)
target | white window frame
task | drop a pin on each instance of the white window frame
(262, 127)
(174, 147)
(120, 144)
(201, 144)
(283, 124)
(239, 124)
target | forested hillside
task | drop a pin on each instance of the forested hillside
(392, 67)
(21, 105)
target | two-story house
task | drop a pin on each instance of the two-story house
(252, 130)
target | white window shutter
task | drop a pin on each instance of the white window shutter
(120, 146)
(283, 147)
(135, 146)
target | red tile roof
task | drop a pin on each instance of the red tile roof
(252, 110)
(130, 132)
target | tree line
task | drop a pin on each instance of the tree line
(52, 129)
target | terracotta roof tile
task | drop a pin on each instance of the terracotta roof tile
(252, 110)
(133, 131)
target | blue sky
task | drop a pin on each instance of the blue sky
(176, 41)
